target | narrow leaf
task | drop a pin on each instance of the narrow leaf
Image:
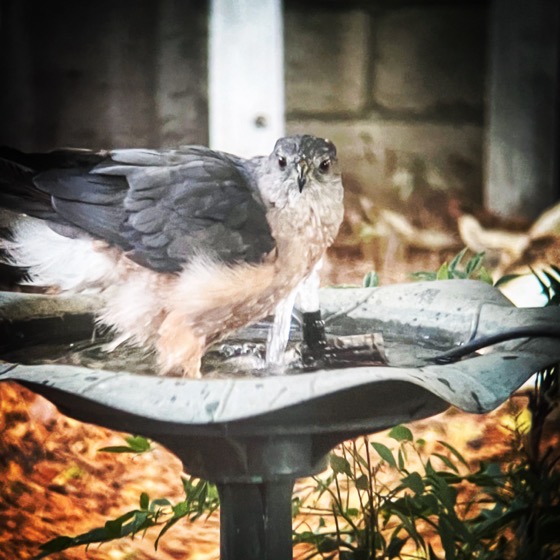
(144, 501)
(401, 433)
(340, 465)
(443, 272)
(118, 449)
(362, 482)
(452, 450)
(138, 443)
(371, 280)
(474, 263)
(506, 278)
(446, 461)
(457, 259)
(385, 453)
(414, 482)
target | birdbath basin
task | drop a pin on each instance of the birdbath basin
(255, 435)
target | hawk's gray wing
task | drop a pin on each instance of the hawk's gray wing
(165, 207)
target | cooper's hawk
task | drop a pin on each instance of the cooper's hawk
(185, 245)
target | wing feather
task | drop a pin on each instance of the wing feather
(162, 207)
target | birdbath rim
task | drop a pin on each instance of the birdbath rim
(477, 384)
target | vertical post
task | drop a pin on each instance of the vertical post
(522, 150)
(256, 520)
(246, 75)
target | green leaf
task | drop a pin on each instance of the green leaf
(371, 280)
(340, 465)
(443, 272)
(485, 276)
(139, 443)
(362, 482)
(400, 433)
(446, 461)
(459, 528)
(457, 259)
(385, 453)
(452, 450)
(159, 503)
(395, 547)
(474, 263)
(400, 460)
(447, 540)
(507, 278)
(445, 493)
(58, 544)
(414, 482)
(169, 523)
(113, 528)
(423, 275)
(410, 527)
(117, 449)
(136, 444)
(140, 521)
(144, 501)
(181, 509)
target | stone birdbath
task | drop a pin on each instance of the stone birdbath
(255, 434)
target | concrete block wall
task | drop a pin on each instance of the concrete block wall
(399, 87)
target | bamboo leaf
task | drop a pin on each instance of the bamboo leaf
(401, 433)
(443, 272)
(457, 259)
(446, 461)
(144, 501)
(385, 453)
(371, 280)
(455, 453)
(340, 465)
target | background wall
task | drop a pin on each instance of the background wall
(399, 86)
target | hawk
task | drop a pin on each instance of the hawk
(184, 245)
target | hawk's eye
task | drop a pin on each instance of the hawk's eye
(325, 165)
(282, 162)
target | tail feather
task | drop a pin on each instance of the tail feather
(18, 169)
(17, 191)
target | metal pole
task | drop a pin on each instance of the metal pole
(256, 520)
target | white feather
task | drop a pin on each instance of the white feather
(54, 260)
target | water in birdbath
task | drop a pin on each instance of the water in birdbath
(237, 357)
(412, 335)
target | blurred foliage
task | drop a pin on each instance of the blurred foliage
(473, 269)
(513, 512)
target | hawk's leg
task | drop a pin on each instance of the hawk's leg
(314, 337)
(307, 293)
(179, 348)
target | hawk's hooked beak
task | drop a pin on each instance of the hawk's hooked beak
(301, 168)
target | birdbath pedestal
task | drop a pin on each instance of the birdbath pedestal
(255, 435)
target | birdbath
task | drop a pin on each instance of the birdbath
(254, 435)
